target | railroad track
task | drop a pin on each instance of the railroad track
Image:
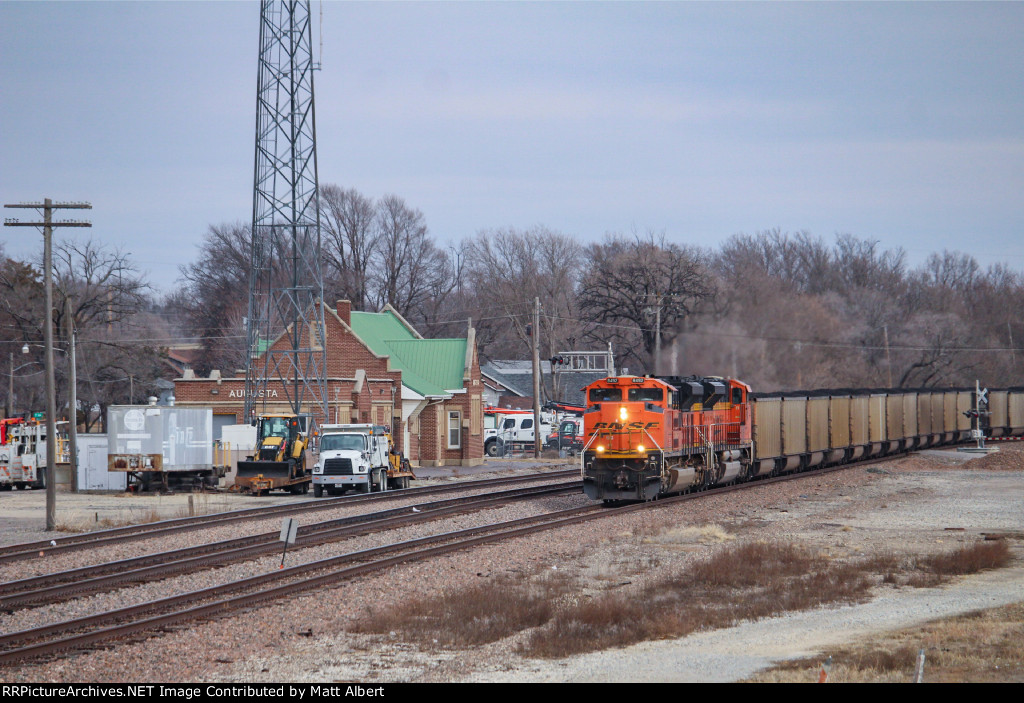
(90, 540)
(63, 585)
(244, 594)
(247, 593)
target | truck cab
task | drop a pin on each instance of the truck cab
(514, 432)
(23, 455)
(352, 457)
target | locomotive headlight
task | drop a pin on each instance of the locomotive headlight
(640, 449)
(600, 449)
(622, 413)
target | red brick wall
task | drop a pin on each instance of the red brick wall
(346, 354)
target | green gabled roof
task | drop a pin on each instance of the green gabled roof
(428, 366)
(375, 328)
(439, 363)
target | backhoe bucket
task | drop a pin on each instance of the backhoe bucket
(269, 469)
(260, 477)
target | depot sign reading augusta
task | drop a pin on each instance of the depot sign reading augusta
(253, 394)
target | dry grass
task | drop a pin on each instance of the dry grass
(978, 647)
(747, 581)
(740, 582)
(705, 534)
(86, 521)
(484, 613)
(936, 569)
(983, 646)
(969, 559)
(553, 616)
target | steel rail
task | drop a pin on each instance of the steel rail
(59, 586)
(374, 559)
(34, 550)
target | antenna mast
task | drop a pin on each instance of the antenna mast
(285, 326)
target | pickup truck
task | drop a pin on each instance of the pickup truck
(513, 432)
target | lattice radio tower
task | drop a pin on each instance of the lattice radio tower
(285, 279)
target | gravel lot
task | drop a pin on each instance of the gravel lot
(929, 502)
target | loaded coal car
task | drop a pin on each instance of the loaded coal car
(650, 436)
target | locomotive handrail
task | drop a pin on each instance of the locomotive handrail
(654, 441)
(709, 448)
(593, 436)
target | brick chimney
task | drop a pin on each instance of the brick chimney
(345, 311)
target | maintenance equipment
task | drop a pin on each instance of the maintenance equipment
(280, 458)
(362, 457)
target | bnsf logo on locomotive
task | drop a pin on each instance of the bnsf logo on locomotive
(625, 425)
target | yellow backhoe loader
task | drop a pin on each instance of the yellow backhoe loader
(280, 458)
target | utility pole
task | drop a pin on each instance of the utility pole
(10, 391)
(72, 395)
(657, 338)
(1013, 352)
(48, 206)
(535, 340)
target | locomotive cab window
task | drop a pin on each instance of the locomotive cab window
(653, 395)
(737, 396)
(600, 395)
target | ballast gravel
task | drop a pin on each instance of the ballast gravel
(929, 502)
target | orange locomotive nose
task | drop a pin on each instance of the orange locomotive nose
(625, 428)
(647, 435)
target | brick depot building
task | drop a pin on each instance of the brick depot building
(380, 370)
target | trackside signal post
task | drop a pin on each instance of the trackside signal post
(979, 411)
(47, 207)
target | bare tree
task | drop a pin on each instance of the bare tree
(108, 297)
(632, 283)
(214, 295)
(21, 307)
(105, 287)
(347, 220)
(449, 304)
(408, 265)
(506, 269)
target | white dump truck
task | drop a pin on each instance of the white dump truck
(359, 457)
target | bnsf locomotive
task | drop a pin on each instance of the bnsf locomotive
(646, 436)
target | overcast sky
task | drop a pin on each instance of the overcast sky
(901, 122)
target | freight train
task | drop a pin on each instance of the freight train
(648, 436)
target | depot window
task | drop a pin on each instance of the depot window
(454, 429)
(604, 395)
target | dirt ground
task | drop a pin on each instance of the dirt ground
(929, 502)
(23, 512)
